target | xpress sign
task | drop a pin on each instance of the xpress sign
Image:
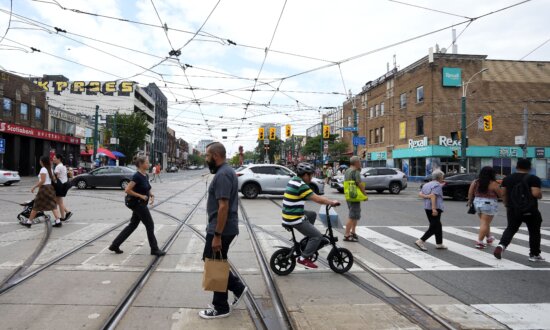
(121, 88)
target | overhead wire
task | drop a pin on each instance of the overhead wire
(9, 22)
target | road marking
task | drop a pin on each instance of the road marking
(466, 316)
(542, 231)
(473, 236)
(23, 234)
(468, 252)
(519, 316)
(521, 236)
(407, 252)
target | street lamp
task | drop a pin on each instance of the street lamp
(463, 122)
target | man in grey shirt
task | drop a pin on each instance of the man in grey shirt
(223, 225)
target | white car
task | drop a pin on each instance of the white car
(9, 177)
(256, 179)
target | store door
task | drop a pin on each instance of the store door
(450, 165)
(503, 166)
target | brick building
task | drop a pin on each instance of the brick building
(410, 116)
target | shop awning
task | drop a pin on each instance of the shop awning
(100, 151)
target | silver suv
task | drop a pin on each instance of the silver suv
(270, 179)
(379, 179)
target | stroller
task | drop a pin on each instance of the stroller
(26, 213)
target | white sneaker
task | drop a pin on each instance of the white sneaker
(536, 258)
(238, 299)
(420, 245)
(441, 247)
(212, 313)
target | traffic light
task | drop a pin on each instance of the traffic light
(364, 154)
(288, 130)
(261, 133)
(455, 154)
(272, 133)
(326, 131)
(488, 123)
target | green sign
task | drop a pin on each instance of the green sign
(452, 77)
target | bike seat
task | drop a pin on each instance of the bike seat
(288, 227)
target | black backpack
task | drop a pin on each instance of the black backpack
(521, 198)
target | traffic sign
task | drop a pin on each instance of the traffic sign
(266, 142)
(2, 146)
(359, 140)
(349, 129)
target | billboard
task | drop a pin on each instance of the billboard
(110, 88)
(452, 77)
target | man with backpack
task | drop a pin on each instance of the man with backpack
(521, 191)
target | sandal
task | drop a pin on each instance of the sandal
(354, 235)
(350, 238)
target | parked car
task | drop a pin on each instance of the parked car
(107, 176)
(172, 169)
(457, 185)
(256, 179)
(379, 179)
(192, 167)
(7, 177)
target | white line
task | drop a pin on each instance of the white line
(519, 316)
(468, 252)
(475, 269)
(413, 255)
(542, 231)
(522, 237)
(473, 236)
(15, 236)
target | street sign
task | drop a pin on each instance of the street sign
(539, 152)
(2, 146)
(359, 140)
(326, 146)
(350, 129)
(266, 142)
(520, 139)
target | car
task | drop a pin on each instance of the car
(270, 179)
(192, 167)
(379, 179)
(106, 176)
(456, 186)
(172, 169)
(7, 177)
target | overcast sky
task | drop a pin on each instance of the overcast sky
(305, 35)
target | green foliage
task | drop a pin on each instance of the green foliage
(274, 149)
(194, 159)
(248, 156)
(131, 131)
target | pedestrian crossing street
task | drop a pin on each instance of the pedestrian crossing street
(461, 254)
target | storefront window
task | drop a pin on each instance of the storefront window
(376, 135)
(24, 111)
(376, 163)
(417, 167)
(6, 106)
(503, 166)
(474, 165)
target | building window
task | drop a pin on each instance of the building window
(7, 106)
(24, 111)
(419, 94)
(381, 134)
(371, 112)
(377, 110)
(419, 125)
(350, 123)
(376, 135)
(382, 109)
(403, 101)
(371, 136)
(37, 114)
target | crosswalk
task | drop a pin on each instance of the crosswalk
(461, 254)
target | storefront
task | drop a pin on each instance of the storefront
(376, 159)
(420, 159)
(25, 145)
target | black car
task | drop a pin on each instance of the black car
(456, 186)
(107, 176)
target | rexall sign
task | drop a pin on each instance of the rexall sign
(452, 77)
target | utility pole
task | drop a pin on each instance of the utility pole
(96, 132)
(525, 129)
(355, 133)
(321, 150)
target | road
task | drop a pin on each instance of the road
(466, 287)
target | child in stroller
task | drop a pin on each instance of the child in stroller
(26, 213)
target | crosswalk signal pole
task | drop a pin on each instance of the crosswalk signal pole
(96, 133)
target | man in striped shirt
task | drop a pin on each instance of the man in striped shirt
(296, 193)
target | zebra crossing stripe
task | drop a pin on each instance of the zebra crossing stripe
(405, 251)
(519, 316)
(473, 236)
(521, 236)
(468, 252)
(542, 231)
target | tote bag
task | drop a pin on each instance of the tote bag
(216, 274)
(353, 193)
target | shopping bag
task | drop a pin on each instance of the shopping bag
(353, 193)
(216, 274)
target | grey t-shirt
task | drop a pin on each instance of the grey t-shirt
(223, 186)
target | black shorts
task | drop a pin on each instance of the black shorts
(61, 190)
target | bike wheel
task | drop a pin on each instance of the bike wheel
(282, 262)
(340, 260)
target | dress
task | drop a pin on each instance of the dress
(45, 198)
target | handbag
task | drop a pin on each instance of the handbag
(472, 209)
(353, 193)
(131, 201)
(216, 274)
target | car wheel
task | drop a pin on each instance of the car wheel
(250, 190)
(315, 189)
(460, 195)
(380, 191)
(124, 184)
(81, 184)
(395, 188)
(8, 183)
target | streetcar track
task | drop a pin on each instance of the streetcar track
(18, 276)
(405, 304)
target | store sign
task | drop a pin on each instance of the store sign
(448, 142)
(508, 152)
(122, 88)
(418, 143)
(452, 77)
(80, 131)
(37, 133)
(539, 152)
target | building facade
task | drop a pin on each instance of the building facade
(24, 126)
(412, 117)
(66, 123)
(171, 148)
(161, 121)
(314, 130)
(182, 152)
(335, 119)
(201, 145)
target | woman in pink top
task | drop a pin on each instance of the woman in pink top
(483, 195)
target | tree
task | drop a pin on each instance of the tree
(131, 131)
(335, 148)
(249, 156)
(195, 159)
(274, 149)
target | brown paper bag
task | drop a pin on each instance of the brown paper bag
(216, 275)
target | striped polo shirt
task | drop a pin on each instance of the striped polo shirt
(296, 193)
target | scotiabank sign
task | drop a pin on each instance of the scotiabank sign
(37, 133)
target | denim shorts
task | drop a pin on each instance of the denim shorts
(488, 206)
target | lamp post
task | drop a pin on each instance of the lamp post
(463, 140)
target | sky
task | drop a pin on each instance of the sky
(241, 63)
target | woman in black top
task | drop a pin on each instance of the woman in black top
(139, 188)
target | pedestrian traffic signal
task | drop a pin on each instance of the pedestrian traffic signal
(272, 133)
(326, 131)
(288, 130)
(455, 154)
(261, 133)
(488, 123)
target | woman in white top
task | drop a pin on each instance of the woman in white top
(45, 198)
(60, 172)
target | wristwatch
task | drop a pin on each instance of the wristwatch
(217, 234)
